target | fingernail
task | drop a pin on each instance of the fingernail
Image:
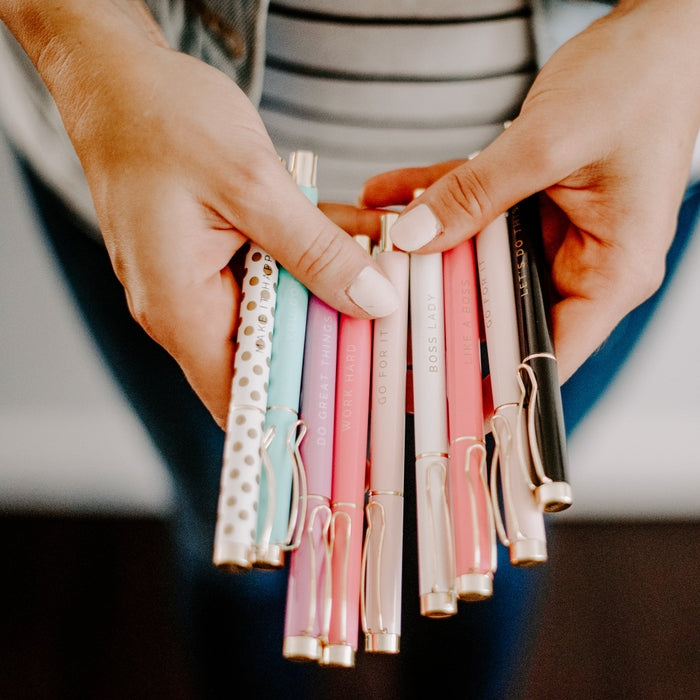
(415, 228)
(373, 292)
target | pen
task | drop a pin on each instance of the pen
(472, 516)
(539, 376)
(234, 537)
(283, 485)
(523, 532)
(436, 572)
(383, 550)
(349, 481)
(308, 588)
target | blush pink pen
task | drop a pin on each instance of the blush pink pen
(436, 568)
(472, 514)
(383, 548)
(523, 531)
(308, 588)
(349, 484)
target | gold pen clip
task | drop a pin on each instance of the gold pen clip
(530, 396)
(501, 461)
(444, 508)
(321, 511)
(297, 513)
(340, 515)
(374, 566)
(471, 451)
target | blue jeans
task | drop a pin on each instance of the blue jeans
(234, 622)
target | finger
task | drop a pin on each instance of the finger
(523, 160)
(311, 247)
(196, 325)
(354, 220)
(396, 187)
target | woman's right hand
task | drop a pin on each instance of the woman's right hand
(182, 174)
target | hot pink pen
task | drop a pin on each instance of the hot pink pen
(308, 588)
(472, 515)
(349, 484)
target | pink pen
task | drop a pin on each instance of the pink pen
(523, 531)
(472, 515)
(308, 588)
(383, 549)
(349, 484)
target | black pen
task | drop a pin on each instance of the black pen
(538, 372)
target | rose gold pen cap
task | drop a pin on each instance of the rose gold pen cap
(554, 496)
(382, 642)
(438, 604)
(528, 552)
(301, 648)
(270, 556)
(338, 655)
(474, 586)
(232, 555)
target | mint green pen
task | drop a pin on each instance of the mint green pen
(282, 503)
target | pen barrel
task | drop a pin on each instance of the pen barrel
(462, 342)
(388, 392)
(524, 520)
(436, 570)
(498, 311)
(383, 575)
(318, 395)
(530, 278)
(240, 477)
(428, 353)
(282, 414)
(308, 586)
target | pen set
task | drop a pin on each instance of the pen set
(314, 454)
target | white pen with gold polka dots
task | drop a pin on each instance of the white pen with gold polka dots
(234, 538)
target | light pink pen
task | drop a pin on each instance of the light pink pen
(308, 588)
(472, 515)
(349, 484)
(383, 549)
(523, 532)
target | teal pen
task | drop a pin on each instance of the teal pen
(282, 503)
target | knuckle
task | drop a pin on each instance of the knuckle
(469, 192)
(324, 253)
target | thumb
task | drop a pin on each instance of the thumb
(470, 196)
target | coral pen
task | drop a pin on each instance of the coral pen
(349, 484)
(472, 515)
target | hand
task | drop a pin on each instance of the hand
(182, 174)
(606, 132)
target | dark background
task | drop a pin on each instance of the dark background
(87, 611)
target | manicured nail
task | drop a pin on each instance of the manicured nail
(373, 292)
(415, 228)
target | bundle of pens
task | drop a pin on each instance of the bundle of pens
(314, 451)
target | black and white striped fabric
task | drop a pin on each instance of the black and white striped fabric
(370, 86)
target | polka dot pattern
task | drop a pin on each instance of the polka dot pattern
(240, 476)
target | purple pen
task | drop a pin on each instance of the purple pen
(307, 616)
